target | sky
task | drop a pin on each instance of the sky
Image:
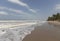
(28, 9)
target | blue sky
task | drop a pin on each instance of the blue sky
(28, 9)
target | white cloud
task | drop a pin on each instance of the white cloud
(19, 2)
(22, 4)
(3, 13)
(13, 10)
(15, 13)
(57, 7)
(33, 10)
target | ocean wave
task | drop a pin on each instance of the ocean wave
(16, 32)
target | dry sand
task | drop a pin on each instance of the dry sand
(46, 32)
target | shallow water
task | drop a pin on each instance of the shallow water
(15, 31)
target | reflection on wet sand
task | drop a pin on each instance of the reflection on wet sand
(46, 32)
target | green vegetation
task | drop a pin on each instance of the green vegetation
(54, 17)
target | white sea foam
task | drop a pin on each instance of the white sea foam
(16, 31)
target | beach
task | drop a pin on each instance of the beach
(46, 32)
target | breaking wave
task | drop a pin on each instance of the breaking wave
(15, 31)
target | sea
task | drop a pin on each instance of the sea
(16, 30)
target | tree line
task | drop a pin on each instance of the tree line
(54, 17)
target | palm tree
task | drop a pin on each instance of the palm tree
(54, 17)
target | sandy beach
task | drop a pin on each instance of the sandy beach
(46, 32)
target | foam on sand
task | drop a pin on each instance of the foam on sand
(15, 31)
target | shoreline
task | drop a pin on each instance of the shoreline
(54, 22)
(44, 33)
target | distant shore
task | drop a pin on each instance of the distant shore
(46, 32)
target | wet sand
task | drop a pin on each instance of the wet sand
(46, 32)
